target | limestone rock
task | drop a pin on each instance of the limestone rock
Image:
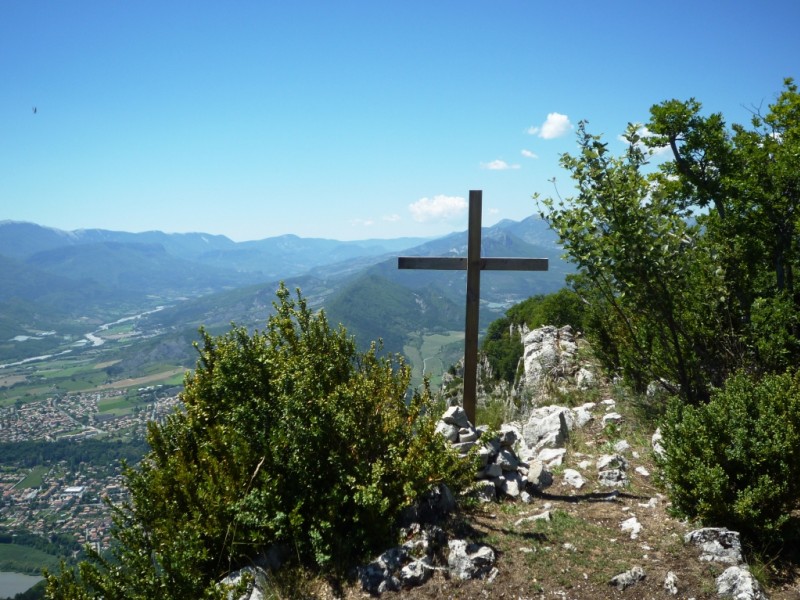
(717, 544)
(469, 561)
(511, 484)
(582, 415)
(256, 587)
(612, 461)
(547, 427)
(585, 379)
(633, 526)
(491, 471)
(509, 435)
(468, 434)
(628, 578)
(507, 460)
(612, 478)
(485, 491)
(448, 430)
(416, 572)
(574, 478)
(379, 575)
(455, 415)
(671, 584)
(739, 583)
(552, 457)
(622, 446)
(538, 476)
(611, 418)
(657, 443)
(545, 516)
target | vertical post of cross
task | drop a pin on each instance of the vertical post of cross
(473, 265)
(473, 304)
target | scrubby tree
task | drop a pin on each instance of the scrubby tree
(688, 269)
(289, 438)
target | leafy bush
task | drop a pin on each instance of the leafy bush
(560, 308)
(289, 437)
(735, 461)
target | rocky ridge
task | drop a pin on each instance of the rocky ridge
(564, 507)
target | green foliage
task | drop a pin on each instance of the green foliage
(22, 558)
(688, 270)
(493, 413)
(735, 461)
(502, 346)
(560, 308)
(290, 437)
(98, 453)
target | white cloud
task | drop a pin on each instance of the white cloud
(498, 165)
(555, 125)
(392, 218)
(494, 211)
(529, 154)
(362, 222)
(644, 132)
(438, 207)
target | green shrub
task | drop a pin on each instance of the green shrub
(735, 461)
(288, 437)
(560, 308)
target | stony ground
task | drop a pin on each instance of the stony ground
(575, 553)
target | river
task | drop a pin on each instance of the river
(12, 584)
(89, 337)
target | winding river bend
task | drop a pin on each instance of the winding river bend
(91, 338)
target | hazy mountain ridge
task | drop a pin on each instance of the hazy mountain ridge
(51, 279)
(374, 299)
(135, 267)
(269, 258)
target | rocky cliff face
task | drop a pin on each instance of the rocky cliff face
(555, 363)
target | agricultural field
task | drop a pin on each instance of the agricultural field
(34, 478)
(432, 354)
(79, 374)
(23, 559)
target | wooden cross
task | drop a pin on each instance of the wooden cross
(473, 264)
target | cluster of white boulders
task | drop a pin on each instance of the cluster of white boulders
(519, 458)
(414, 562)
(716, 544)
(721, 545)
(516, 462)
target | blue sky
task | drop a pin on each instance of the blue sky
(346, 119)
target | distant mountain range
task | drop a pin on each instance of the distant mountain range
(64, 281)
(270, 258)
